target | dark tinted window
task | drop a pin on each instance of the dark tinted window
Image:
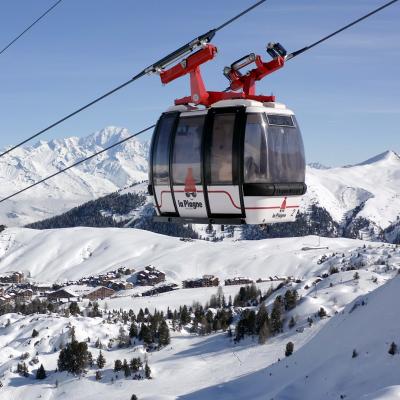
(187, 150)
(255, 149)
(280, 120)
(285, 154)
(272, 153)
(221, 149)
(161, 151)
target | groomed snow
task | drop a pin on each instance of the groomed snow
(71, 253)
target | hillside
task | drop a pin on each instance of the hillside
(52, 255)
(360, 315)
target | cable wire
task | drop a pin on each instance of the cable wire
(239, 15)
(30, 26)
(150, 69)
(77, 163)
(297, 52)
(73, 113)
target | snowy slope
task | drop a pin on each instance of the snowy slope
(324, 368)
(110, 171)
(72, 253)
(213, 367)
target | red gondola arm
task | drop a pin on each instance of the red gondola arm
(199, 94)
(247, 82)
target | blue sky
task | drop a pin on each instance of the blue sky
(345, 92)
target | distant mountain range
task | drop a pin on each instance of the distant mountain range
(109, 172)
(361, 200)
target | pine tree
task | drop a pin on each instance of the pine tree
(101, 361)
(261, 317)
(322, 312)
(35, 333)
(356, 276)
(41, 372)
(264, 333)
(123, 339)
(98, 376)
(74, 357)
(147, 371)
(184, 316)
(135, 364)
(289, 349)
(276, 316)
(117, 365)
(22, 369)
(163, 334)
(74, 308)
(127, 370)
(290, 299)
(133, 330)
(145, 334)
(393, 348)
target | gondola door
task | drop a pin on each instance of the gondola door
(187, 177)
(223, 160)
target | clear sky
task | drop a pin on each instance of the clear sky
(345, 92)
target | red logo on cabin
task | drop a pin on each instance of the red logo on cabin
(190, 184)
(283, 205)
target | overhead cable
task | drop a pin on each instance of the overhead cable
(77, 163)
(297, 52)
(30, 26)
(153, 68)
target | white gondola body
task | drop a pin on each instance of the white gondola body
(207, 173)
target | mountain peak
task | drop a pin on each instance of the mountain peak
(107, 136)
(388, 155)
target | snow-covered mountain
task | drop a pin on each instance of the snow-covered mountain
(106, 173)
(365, 196)
(369, 190)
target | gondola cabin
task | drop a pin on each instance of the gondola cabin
(237, 160)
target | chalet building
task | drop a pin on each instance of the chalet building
(238, 280)
(62, 295)
(150, 276)
(12, 277)
(99, 293)
(23, 295)
(41, 288)
(205, 281)
(126, 270)
(161, 289)
(120, 285)
(7, 298)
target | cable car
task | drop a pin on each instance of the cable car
(229, 157)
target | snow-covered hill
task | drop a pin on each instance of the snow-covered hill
(110, 171)
(361, 315)
(370, 190)
(71, 253)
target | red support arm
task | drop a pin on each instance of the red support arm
(199, 94)
(247, 82)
